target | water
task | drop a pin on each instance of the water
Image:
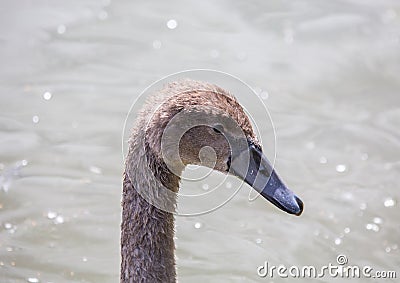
(328, 72)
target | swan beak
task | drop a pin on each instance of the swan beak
(252, 166)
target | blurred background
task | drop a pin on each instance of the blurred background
(328, 72)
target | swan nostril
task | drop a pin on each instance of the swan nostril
(300, 204)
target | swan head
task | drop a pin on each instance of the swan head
(204, 125)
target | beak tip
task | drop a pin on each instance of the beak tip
(300, 205)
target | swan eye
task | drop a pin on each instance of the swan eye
(218, 128)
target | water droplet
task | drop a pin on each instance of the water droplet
(347, 196)
(316, 233)
(310, 145)
(214, 53)
(103, 15)
(33, 280)
(364, 156)
(47, 95)
(388, 249)
(9, 249)
(258, 241)
(59, 219)
(363, 206)
(8, 226)
(323, 160)
(372, 226)
(205, 187)
(264, 95)
(157, 44)
(389, 202)
(377, 220)
(51, 215)
(95, 170)
(24, 162)
(197, 225)
(35, 119)
(61, 29)
(338, 241)
(347, 230)
(172, 24)
(341, 168)
(84, 259)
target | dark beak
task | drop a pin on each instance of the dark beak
(253, 167)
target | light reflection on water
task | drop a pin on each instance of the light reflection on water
(328, 72)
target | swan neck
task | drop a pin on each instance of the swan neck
(147, 230)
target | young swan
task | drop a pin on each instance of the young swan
(179, 126)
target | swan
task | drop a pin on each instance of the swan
(171, 131)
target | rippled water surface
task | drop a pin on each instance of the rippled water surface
(328, 72)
